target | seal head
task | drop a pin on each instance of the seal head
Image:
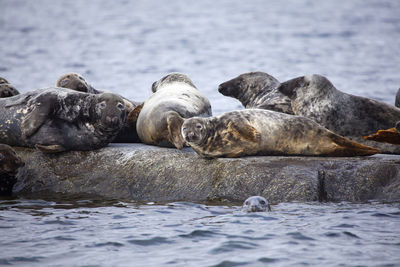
(75, 81)
(256, 204)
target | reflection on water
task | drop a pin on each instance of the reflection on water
(114, 233)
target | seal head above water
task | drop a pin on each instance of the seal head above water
(264, 132)
(256, 204)
(174, 98)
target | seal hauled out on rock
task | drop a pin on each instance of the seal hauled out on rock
(76, 82)
(6, 89)
(174, 97)
(58, 119)
(315, 97)
(128, 133)
(256, 204)
(264, 132)
(10, 162)
(397, 101)
(257, 90)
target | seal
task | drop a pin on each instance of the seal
(10, 162)
(7, 90)
(57, 119)
(263, 132)
(76, 82)
(128, 134)
(315, 97)
(3, 80)
(174, 98)
(397, 101)
(256, 204)
(257, 90)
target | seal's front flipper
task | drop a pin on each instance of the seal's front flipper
(50, 148)
(134, 114)
(174, 122)
(245, 131)
(34, 120)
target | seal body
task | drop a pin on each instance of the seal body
(10, 162)
(397, 101)
(351, 116)
(264, 132)
(174, 97)
(257, 90)
(58, 119)
(128, 134)
(256, 204)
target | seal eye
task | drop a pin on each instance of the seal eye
(121, 106)
(184, 128)
(198, 126)
(262, 202)
(246, 203)
(102, 105)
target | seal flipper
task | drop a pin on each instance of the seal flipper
(174, 123)
(50, 148)
(245, 131)
(35, 119)
(348, 148)
(391, 136)
(134, 114)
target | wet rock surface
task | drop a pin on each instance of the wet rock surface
(149, 173)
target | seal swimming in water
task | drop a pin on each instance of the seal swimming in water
(10, 162)
(58, 119)
(128, 134)
(256, 204)
(174, 97)
(257, 90)
(315, 97)
(263, 132)
(6, 89)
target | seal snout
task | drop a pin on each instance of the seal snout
(190, 137)
(113, 121)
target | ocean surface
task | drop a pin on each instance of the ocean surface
(124, 46)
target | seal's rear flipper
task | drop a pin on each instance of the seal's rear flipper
(391, 136)
(50, 148)
(348, 148)
(174, 122)
(134, 114)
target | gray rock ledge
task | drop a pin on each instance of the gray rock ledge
(148, 173)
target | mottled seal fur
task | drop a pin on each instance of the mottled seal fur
(10, 162)
(263, 132)
(6, 89)
(174, 97)
(257, 90)
(256, 204)
(58, 119)
(315, 97)
(128, 134)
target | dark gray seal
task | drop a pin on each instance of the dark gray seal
(315, 97)
(397, 101)
(6, 89)
(58, 119)
(257, 90)
(256, 204)
(128, 134)
(263, 132)
(10, 162)
(174, 97)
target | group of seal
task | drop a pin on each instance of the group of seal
(315, 97)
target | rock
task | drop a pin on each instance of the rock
(149, 173)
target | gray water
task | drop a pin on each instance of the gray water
(124, 46)
(90, 233)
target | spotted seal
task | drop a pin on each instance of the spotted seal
(58, 119)
(315, 97)
(174, 97)
(6, 89)
(257, 90)
(264, 132)
(256, 204)
(128, 134)
(10, 162)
